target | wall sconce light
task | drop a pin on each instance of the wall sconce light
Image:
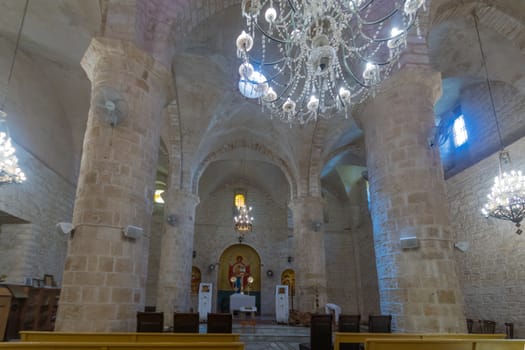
(211, 267)
(171, 219)
(269, 273)
(290, 259)
(194, 254)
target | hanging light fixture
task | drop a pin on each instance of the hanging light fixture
(506, 201)
(9, 170)
(243, 222)
(318, 57)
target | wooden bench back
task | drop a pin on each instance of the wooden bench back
(343, 337)
(448, 344)
(122, 337)
(121, 346)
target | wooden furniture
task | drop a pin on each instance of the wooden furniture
(509, 330)
(248, 316)
(150, 321)
(470, 325)
(126, 337)
(448, 344)
(122, 346)
(379, 323)
(341, 337)
(320, 333)
(349, 323)
(5, 307)
(39, 309)
(186, 322)
(219, 323)
(487, 326)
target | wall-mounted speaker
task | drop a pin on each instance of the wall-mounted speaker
(132, 232)
(65, 228)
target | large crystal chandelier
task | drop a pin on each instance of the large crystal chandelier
(9, 170)
(243, 222)
(318, 57)
(506, 201)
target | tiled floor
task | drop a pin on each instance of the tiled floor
(272, 336)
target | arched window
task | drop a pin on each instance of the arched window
(459, 131)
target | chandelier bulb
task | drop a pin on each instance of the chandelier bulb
(270, 15)
(289, 106)
(246, 70)
(244, 42)
(313, 104)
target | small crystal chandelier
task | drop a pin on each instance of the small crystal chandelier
(318, 57)
(9, 170)
(243, 221)
(506, 201)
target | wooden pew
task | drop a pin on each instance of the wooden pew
(127, 337)
(436, 343)
(344, 337)
(64, 345)
(418, 344)
(498, 344)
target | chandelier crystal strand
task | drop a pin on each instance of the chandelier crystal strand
(506, 200)
(9, 170)
(316, 57)
(243, 222)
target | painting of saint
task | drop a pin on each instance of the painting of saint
(238, 274)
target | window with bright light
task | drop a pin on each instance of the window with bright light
(239, 200)
(460, 131)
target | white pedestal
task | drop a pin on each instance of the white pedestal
(281, 304)
(205, 300)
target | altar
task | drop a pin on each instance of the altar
(238, 301)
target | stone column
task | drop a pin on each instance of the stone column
(176, 255)
(105, 272)
(309, 254)
(418, 286)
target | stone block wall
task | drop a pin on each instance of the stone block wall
(491, 270)
(34, 248)
(350, 258)
(481, 126)
(214, 233)
(157, 228)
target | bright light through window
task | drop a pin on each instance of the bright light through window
(460, 131)
(239, 200)
(158, 197)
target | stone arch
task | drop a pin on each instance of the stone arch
(489, 16)
(239, 261)
(172, 137)
(212, 156)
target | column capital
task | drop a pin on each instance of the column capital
(172, 196)
(306, 201)
(119, 55)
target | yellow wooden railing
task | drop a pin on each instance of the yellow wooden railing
(65, 345)
(344, 337)
(124, 341)
(444, 344)
(127, 337)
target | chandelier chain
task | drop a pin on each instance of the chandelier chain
(487, 79)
